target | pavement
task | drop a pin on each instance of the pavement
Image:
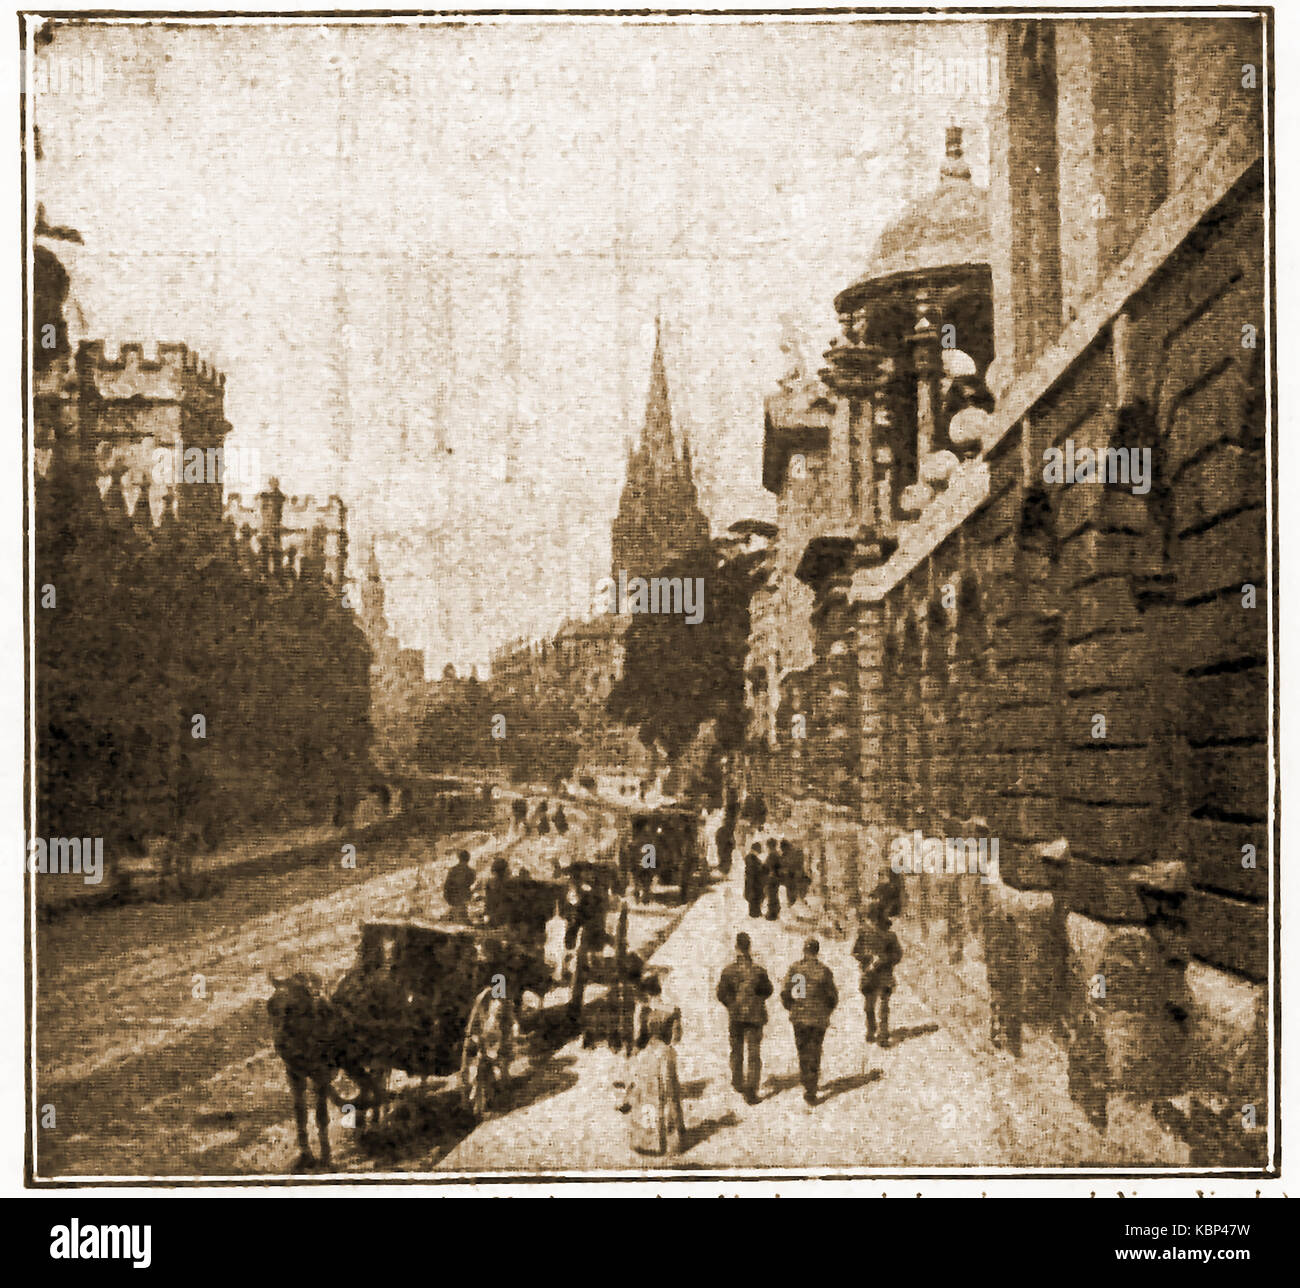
(929, 1100)
(152, 1076)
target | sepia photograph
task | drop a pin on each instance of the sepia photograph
(648, 597)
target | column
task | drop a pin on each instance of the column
(927, 365)
(851, 374)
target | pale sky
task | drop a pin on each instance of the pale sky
(482, 268)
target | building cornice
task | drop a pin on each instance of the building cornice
(1229, 162)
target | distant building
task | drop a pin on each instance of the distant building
(398, 690)
(659, 517)
(574, 670)
(148, 429)
(293, 533)
(659, 520)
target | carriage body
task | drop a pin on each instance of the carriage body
(674, 860)
(414, 985)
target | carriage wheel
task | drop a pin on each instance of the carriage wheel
(352, 1093)
(481, 1076)
(473, 1095)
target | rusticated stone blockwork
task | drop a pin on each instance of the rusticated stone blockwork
(1064, 653)
(1102, 679)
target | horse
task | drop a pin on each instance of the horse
(315, 1041)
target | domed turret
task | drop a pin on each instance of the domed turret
(918, 338)
(947, 226)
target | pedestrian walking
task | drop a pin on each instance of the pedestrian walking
(772, 880)
(743, 988)
(794, 873)
(725, 840)
(458, 887)
(543, 822)
(657, 1123)
(561, 820)
(810, 996)
(496, 894)
(754, 880)
(887, 894)
(877, 951)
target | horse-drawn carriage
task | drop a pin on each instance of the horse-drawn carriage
(412, 993)
(445, 999)
(661, 845)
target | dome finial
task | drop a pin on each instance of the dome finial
(954, 163)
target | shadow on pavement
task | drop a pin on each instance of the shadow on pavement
(897, 1036)
(698, 1133)
(421, 1122)
(849, 1082)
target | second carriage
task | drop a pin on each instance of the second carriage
(661, 847)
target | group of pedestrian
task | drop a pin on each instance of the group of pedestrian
(808, 994)
(542, 820)
(767, 875)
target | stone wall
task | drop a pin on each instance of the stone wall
(1079, 671)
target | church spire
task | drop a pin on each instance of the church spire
(659, 518)
(657, 437)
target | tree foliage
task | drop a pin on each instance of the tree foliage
(458, 733)
(678, 676)
(146, 628)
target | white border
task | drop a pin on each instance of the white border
(949, 1182)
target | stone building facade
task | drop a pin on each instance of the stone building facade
(122, 420)
(984, 648)
(295, 532)
(398, 690)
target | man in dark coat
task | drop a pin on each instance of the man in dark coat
(754, 880)
(793, 873)
(772, 877)
(496, 894)
(810, 995)
(725, 838)
(743, 988)
(877, 951)
(458, 887)
(887, 894)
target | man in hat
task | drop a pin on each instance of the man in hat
(793, 872)
(754, 880)
(877, 951)
(743, 989)
(810, 996)
(458, 887)
(496, 894)
(772, 877)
